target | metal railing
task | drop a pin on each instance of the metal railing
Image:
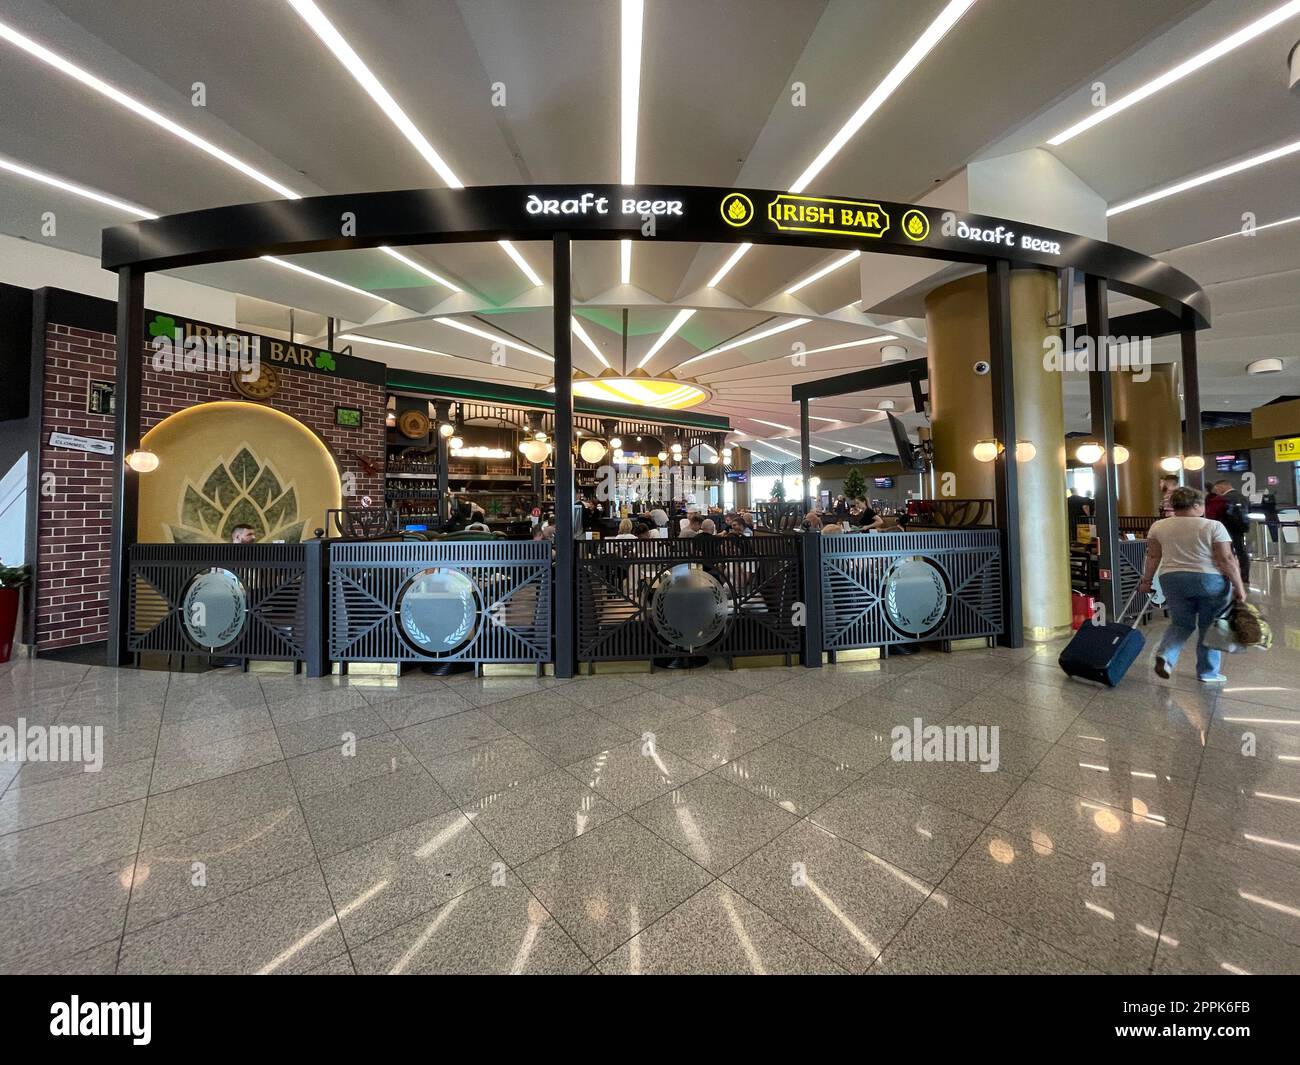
(254, 602)
(881, 589)
(445, 601)
(668, 598)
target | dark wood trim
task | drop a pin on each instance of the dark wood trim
(1106, 488)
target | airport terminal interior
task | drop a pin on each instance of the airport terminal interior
(650, 487)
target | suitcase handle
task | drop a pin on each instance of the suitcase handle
(1145, 606)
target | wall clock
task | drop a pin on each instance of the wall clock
(413, 424)
(262, 387)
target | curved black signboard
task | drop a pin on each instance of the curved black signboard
(636, 212)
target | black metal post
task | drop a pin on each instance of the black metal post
(1002, 377)
(1191, 407)
(1106, 487)
(565, 549)
(442, 474)
(126, 482)
(805, 455)
(810, 562)
(314, 590)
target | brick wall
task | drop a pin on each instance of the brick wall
(72, 577)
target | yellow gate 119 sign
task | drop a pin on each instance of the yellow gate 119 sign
(811, 214)
(1287, 449)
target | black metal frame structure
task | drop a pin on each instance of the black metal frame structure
(617, 212)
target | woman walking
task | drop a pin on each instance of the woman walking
(1199, 577)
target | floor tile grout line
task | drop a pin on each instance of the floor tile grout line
(139, 845)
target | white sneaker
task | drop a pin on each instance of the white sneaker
(1213, 678)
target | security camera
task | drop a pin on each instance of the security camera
(981, 367)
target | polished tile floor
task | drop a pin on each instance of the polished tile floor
(713, 821)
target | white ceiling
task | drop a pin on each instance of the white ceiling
(715, 108)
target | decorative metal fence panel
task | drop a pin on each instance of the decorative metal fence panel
(891, 588)
(452, 601)
(666, 598)
(1129, 563)
(261, 601)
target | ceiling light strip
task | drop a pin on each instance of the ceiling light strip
(632, 20)
(494, 337)
(830, 268)
(419, 268)
(913, 57)
(681, 318)
(792, 323)
(933, 34)
(1189, 66)
(135, 106)
(320, 277)
(520, 262)
(76, 190)
(587, 342)
(1204, 179)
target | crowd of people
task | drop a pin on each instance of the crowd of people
(843, 516)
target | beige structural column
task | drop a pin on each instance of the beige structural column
(1148, 423)
(956, 317)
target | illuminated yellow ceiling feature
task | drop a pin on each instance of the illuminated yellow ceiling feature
(663, 391)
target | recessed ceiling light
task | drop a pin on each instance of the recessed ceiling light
(358, 338)
(1204, 179)
(365, 77)
(830, 268)
(774, 425)
(520, 262)
(587, 342)
(678, 321)
(76, 190)
(320, 277)
(734, 258)
(924, 44)
(1266, 366)
(631, 21)
(912, 58)
(133, 105)
(1188, 66)
(419, 267)
(496, 338)
(792, 323)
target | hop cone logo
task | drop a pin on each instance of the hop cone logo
(736, 210)
(244, 491)
(914, 225)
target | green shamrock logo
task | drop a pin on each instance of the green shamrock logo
(162, 326)
(325, 361)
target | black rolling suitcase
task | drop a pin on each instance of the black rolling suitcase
(1104, 652)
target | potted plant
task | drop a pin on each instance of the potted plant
(778, 492)
(12, 580)
(855, 485)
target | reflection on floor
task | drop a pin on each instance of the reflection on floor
(749, 821)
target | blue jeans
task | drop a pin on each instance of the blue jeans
(1195, 600)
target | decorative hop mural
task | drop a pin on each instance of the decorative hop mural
(244, 491)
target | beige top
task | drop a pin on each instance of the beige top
(1187, 543)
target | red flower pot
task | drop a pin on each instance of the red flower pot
(8, 619)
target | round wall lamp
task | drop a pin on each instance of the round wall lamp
(1194, 463)
(456, 443)
(615, 443)
(142, 461)
(985, 450)
(1120, 453)
(446, 429)
(1171, 464)
(1089, 454)
(592, 451)
(663, 456)
(726, 454)
(1025, 451)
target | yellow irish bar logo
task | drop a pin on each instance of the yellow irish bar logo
(811, 214)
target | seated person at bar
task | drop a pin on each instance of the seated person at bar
(737, 526)
(841, 508)
(694, 525)
(832, 529)
(659, 531)
(862, 516)
(812, 522)
(625, 530)
(242, 534)
(641, 530)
